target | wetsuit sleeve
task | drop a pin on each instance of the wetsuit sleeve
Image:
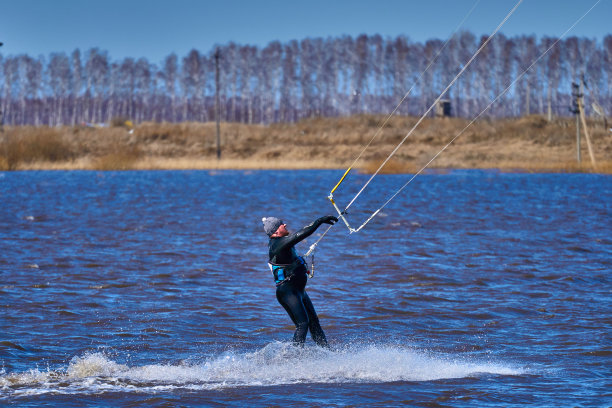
(300, 235)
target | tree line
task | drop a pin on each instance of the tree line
(286, 82)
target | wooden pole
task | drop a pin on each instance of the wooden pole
(217, 107)
(578, 137)
(586, 133)
(576, 110)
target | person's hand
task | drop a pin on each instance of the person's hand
(328, 219)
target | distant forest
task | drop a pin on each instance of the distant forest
(285, 82)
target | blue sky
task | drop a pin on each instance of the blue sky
(155, 28)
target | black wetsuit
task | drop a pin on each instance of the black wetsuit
(291, 284)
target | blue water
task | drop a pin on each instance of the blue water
(472, 288)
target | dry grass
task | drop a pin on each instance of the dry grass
(604, 167)
(198, 163)
(530, 143)
(121, 159)
(393, 166)
(31, 144)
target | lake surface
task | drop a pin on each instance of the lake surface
(472, 288)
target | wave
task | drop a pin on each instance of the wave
(275, 364)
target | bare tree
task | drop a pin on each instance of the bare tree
(330, 78)
(377, 62)
(98, 74)
(77, 83)
(11, 85)
(432, 83)
(525, 55)
(60, 78)
(229, 81)
(170, 76)
(551, 70)
(270, 71)
(31, 97)
(399, 70)
(113, 97)
(127, 87)
(360, 68)
(248, 61)
(193, 80)
(289, 83)
(142, 83)
(157, 103)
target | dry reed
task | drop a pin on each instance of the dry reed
(31, 144)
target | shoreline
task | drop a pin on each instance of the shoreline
(529, 144)
(195, 164)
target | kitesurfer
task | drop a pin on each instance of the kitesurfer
(290, 274)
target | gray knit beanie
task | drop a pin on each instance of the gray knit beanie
(271, 224)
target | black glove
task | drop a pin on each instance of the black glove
(328, 219)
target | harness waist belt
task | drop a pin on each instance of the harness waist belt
(284, 272)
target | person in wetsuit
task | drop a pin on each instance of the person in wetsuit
(290, 274)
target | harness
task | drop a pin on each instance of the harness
(284, 272)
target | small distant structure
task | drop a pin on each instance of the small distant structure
(443, 108)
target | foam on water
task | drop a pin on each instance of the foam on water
(275, 364)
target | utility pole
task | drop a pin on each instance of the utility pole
(217, 107)
(578, 110)
(584, 124)
(575, 109)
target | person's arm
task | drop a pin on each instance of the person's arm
(307, 231)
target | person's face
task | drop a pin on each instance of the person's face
(281, 231)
